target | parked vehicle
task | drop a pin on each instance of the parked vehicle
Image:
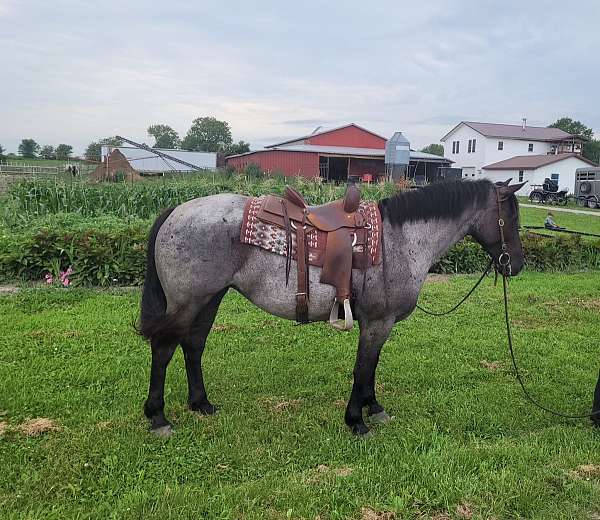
(548, 193)
(587, 187)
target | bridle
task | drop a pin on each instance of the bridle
(504, 268)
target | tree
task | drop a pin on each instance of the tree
(573, 127)
(94, 149)
(235, 148)
(1, 152)
(47, 152)
(63, 151)
(435, 149)
(207, 134)
(164, 136)
(28, 148)
(591, 148)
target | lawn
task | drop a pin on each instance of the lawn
(463, 442)
(571, 221)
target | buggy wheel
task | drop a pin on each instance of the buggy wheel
(563, 201)
(536, 197)
(552, 199)
(592, 203)
(581, 201)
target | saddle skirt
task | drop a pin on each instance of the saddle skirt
(263, 229)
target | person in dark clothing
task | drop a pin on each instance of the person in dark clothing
(550, 224)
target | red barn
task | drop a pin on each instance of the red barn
(333, 154)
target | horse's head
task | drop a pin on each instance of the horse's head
(497, 229)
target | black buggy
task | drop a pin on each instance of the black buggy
(548, 193)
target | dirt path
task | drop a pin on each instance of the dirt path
(564, 210)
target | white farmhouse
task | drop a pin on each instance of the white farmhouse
(525, 153)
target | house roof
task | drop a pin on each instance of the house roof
(531, 133)
(347, 151)
(327, 131)
(532, 162)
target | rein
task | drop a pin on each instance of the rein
(504, 268)
(465, 298)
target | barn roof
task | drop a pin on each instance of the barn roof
(532, 162)
(327, 131)
(530, 133)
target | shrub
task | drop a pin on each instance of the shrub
(100, 252)
(111, 251)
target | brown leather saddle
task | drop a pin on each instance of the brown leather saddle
(337, 236)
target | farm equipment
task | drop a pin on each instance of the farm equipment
(548, 193)
(587, 187)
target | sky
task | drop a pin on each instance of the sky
(73, 72)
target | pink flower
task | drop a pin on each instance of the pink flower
(49, 278)
(66, 282)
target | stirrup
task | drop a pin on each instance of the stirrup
(348, 322)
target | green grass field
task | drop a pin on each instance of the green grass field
(463, 444)
(571, 204)
(571, 221)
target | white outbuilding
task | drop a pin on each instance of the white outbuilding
(535, 168)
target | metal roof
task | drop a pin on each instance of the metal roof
(532, 162)
(530, 133)
(145, 161)
(326, 131)
(428, 157)
(347, 151)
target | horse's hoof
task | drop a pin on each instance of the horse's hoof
(379, 418)
(361, 431)
(205, 409)
(163, 431)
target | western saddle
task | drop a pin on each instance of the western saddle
(337, 236)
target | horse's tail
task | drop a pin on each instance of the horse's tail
(154, 322)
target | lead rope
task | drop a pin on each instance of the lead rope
(526, 394)
(504, 264)
(466, 297)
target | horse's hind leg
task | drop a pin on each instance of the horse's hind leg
(193, 347)
(162, 352)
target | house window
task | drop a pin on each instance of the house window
(500, 145)
(530, 148)
(474, 141)
(469, 147)
(520, 175)
(554, 177)
(453, 146)
(457, 146)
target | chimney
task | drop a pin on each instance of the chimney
(524, 123)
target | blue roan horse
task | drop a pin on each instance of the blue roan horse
(195, 256)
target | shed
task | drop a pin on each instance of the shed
(145, 161)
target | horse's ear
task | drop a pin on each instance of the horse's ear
(516, 187)
(503, 183)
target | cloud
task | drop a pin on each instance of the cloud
(79, 72)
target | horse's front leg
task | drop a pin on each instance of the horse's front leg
(373, 335)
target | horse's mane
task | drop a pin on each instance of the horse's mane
(446, 199)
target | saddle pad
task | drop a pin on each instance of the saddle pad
(271, 237)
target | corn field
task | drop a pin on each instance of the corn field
(40, 197)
